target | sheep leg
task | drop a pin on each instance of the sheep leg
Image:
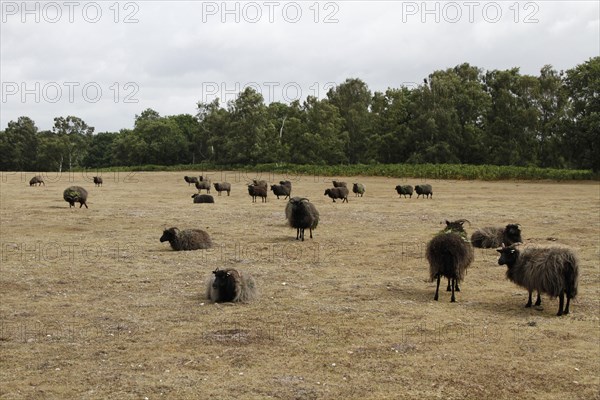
(529, 301)
(311, 238)
(453, 299)
(448, 289)
(539, 299)
(568, 302)
(561, 303)
(456, 288)
(437, 289)
(302, 233)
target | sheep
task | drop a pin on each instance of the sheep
(75, 194)
(493, 237)
(424, 190)
(190, 179)
(358, 189)
(337, 193)
(98, 180)
(449, 254)
(203, 185)
(222, 187)
(404, 190)
(301, 214)
(257, 191)
(187, 239)
(337, 184)
(552, 269)
(230, 285)
(203, 198)
(281, 190)
(36, 181)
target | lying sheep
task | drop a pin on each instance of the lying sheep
(301, 214)
(257, 191)
(493, 237)
(230, 285)
(553, 270)
(281, 190)
(203, 185)
(190, 179)
(36, 181)
(449, 254)
(222, 187)
(337, 184)
(358, 189)
(337, 193)
(203, 198)
(75, 194)
(424, 190)
(187, 239)
(404, 190)
(98, 181)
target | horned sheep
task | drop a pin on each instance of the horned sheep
(230, 285)
(75, 194)
(281, 190)
(301, 214)
(337, 193)
(449, 254)
(257, 191)
(553, 270)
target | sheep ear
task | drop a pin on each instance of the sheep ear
(447, 222)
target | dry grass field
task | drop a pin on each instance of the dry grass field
(93, 306)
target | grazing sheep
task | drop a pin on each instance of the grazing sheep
(36, 181)
(337, 184)
(281, 190)
(449, 254)
(337, 193)
(203, 185)
(261, 184)
(257, 191)
(553, 270)
(222, 187)
(301, 214)
(203, 198)
(190, 179)
(424, 190)
(493, 237)
(230, 285)
(98, 180)
(187, 239)
(75, 194)
(358, 189)
(404, 190)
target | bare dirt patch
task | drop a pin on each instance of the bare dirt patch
(94, 306)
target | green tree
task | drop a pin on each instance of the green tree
(19, 145)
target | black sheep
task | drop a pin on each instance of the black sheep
(230, 285)
(75, 194)
(301, 214)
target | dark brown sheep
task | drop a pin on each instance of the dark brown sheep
(337, 193)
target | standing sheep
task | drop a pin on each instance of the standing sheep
(203, 185)
(36, 181)
(337, 193)
(98, 181)
(358, 189)
(553, 270)
(424, 190)
(449, 254)
(493, 237)
(190, 179)
(257, 191)
(187, 239)
(222, 187)
(75, 194)
(203, 198)
(281, 190)
(337, 184)
(404, 190)
(301, 214)
(230, 285)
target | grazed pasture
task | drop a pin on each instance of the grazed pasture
(93, 306)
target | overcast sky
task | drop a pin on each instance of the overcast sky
(105, 62)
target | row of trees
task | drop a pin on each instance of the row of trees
(460, 115)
